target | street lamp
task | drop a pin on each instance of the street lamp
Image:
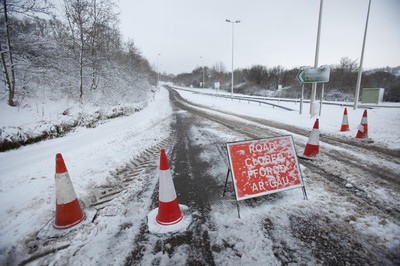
(233, 34)
(202, 59)
(161, 65)
(158, 72)
(358, 85)
(314, 85)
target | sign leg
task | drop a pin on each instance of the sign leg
(302, 98)
(226, 182)
(238, 208)
(312, 100)
(305, 193)
(322, 96)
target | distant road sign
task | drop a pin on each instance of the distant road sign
(314, 75)
(264, 166)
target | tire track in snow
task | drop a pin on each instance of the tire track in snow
(389, 154)
(360, 147)
(361, 172)
(193, 187)
(340, 185)
(42, 247)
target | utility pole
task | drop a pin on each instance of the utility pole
(314, 85)
(357, 92)
(202, 59)
(233, 41)
(158, 72)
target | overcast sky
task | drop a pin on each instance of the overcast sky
(271, 32)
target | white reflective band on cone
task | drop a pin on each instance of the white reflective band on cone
(360, 128)
(345, 120)
(64, 189)
(364, 120)
(314, 137)
(167, 190)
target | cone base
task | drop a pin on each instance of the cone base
(306, 157)
(68, 215)
(366, 140)
(49, 231)
(361, 135)
(70, 225)
(180, 226)
(169, 212)
(344, 128)
(362, 132)
(311, 150)
(170, 223)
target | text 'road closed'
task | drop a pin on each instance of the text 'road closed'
(261, 167)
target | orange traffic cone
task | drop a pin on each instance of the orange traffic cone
(362, 132)
(68, 211)
(312, 147)
(345, 122)
(169, 211)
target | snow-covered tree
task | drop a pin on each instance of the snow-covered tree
(8, 35)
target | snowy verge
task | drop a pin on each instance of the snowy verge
(63, 119)
(27, 188)
(383, 122)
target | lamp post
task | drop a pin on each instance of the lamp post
(158, 72)
(358, 85)
(202, 60)
(233, 34)
(314, 85)
(161, 65)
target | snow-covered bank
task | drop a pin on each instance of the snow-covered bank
(27, 188)
(54, 119)
(383, 123)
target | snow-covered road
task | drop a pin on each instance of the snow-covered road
(351, 215)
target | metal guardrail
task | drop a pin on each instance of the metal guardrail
(262, 100)
(240, 98)
(235, 97)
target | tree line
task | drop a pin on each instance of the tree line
(79, 52)
(261, 80)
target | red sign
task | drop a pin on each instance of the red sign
(265, 166)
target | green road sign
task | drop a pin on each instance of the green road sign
(314, 75)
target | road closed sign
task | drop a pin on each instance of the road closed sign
(264, 166)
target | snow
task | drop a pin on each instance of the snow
(182, 225)
(247, 240)
(27, 174)
(383, 123)
(27, 179)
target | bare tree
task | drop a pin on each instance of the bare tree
(256, 74)
(219, 67)
(343, 76)
(7, 59)
(104, 22)
(77, 13)
(276, 76)
(93, 32)
(24, 7)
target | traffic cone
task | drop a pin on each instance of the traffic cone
(312, 147)
(169, 212)
(68, 211)
(362, 132)
(345, 122)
